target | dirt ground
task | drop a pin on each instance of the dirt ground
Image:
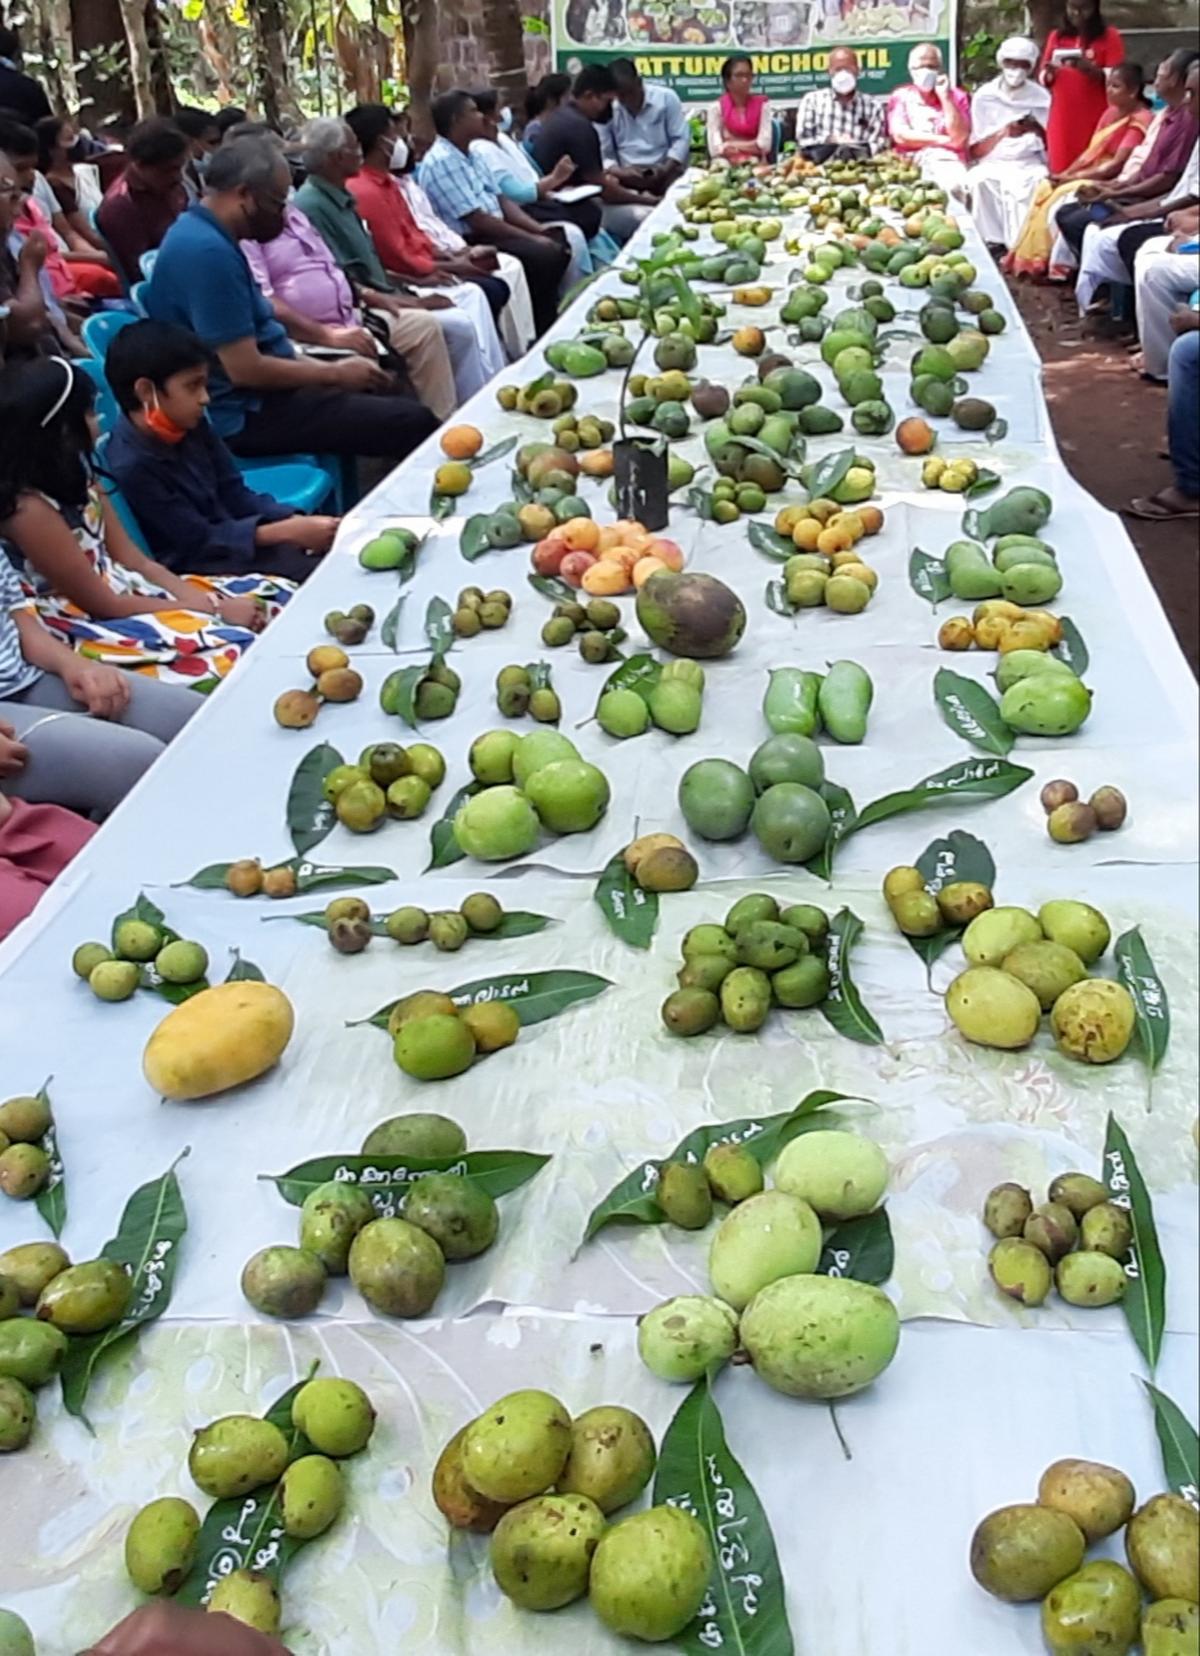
(1110, 426)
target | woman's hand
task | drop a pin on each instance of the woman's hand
(104, 691)
(172, 1630)
(13, 754)
(242, 612)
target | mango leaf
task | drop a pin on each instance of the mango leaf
(443, 846)
(386, 1178)
(408, 680)
(637, 672)
(927, 577)
(764, 539)
(1136, 971)
(632, 1199)
(1145, 1297)
(1179, 1444)
(778, 600)
(515, 923)
(861, 1249)
(745, 1609)
(244, 971)
(147, 1246)
(246, 1531)
(313, 877)
(969, 779)
(631, 913)
(144, 910)
(972, 712)
(473, 541)
(701, 502)
(551, 587)
(829, 472)
(497, 451)
(996, 432)
(51, 1200)
(843, 1006)
(1071, 650)
(957, 857)
(985, 482)
(521, 489)
(209, 878)
(310, 816)
(535, 996)
(439, 627)
(441, 506)
(389, 632)
(842, 822)
(539, 677)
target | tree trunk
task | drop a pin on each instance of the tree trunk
(1044, 15)
(421, 54)
(216, 54)
(270, 63)
(162, 93)
(504, 43)
(141, 69)
(52, 19)
(97, 28)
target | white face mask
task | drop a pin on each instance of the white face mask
(924, 79)
(843, 82)
(1014, 74)
(399, 156)
(506, 120)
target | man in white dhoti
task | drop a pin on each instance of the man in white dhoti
(1008, 143)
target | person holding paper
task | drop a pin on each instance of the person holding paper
(1074, 62)
(1008, 143)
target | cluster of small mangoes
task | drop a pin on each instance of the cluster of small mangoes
(141, 955)
(593, 625)
(334, 680)
(605, 560)
(1077, 1241)
(522, 691)
(1069, 820)
(673, 703)
(476, 611)
(1022, 569)
(231, 1458)
(350, 626)
(603, 346)
(762, 956)
(588, 432)
(1000, 625)
(67, 1301)
(949, 476)
(826, 569)
(433, 1038)
(645, 1576)
(350, 928)
(436, 694)
(545, 397)
(24, 1162)
(387, 781)
(1023, 1553)
(661, 862)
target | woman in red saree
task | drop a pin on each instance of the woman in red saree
(739, 124)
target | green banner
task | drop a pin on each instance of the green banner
(683, 44)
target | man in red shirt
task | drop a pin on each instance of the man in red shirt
(144, 202)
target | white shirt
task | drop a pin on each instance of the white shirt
(1189, 181)
(995, 105)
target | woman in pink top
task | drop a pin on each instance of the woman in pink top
(739, 124)
(931, 120)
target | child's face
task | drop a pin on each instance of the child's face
(183, 398)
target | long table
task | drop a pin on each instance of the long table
(981, 1396)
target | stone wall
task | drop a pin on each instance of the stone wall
(462, 57)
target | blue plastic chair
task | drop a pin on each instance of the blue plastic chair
(119, 503)
(105, 404)
(298, 480)
(138, 295)
(98, 330)
(146, 263)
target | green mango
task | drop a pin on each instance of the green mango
(1006, 541)
(796, 388)
(818, 421)
(777, 431)
(1022, 510)
(618, 352)
(880, 307)
(740, 271)
(768, 399)
(800, 303)
(856, 320)
(873, 418)
(933, 395)
(935, 360)
(1031, 584)
(713, 269)
(717, 436)
(582, 361)
(970, 574)
(556, 354)
(1023, 664)
(671, 419)
(864, 385)
(838, 340)
(813, 329)
(30, 1351)
(641, 410)
(1047, 704)
(1024, 552)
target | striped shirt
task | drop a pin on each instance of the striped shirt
(15, 672)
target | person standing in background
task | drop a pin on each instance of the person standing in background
(1008, 143)
(20, 94)
(1074, 62)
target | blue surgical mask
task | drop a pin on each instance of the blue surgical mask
(506, 120)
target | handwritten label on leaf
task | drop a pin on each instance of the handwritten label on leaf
(1145, 1297)
(862, 1249)
(386, 1178)
(638, 672)
(443, 844)
(745, 1610)
(1153, 1009)
(768, 541)
(970, 779)
(777, 599)
(631, 913)
(551, 587)
(829, 472)
(389, 632)
(843, 1006)
(147, 1246)
(534, 996)
(310, 816)
(439, 627)
(927, 577)
(972, 712)
(474, 539)
(1179, 1444)
(51, 1200)
(632, 1199)
(945, 862)
(842, 822)
(496, 451)
(1071, 650)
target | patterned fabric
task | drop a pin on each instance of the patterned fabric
(457, 184)
(175, 646)
(825, 119)
(15, 672)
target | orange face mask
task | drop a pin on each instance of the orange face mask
(162, 425)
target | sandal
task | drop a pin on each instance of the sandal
(1154, 509)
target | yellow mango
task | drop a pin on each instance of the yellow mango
(1025, 635)
(992, 630)
(998, 606)
(218, 1039)
(1051, 623)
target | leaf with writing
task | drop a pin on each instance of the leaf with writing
(144, 910)
(389, 633)
(51, 1199)
(862, 1249)
(474, 540)
(778, 601)
(534, 996)
(310, 816)
(972, 712)
(210, 878)
(632, 1199)
(1153, 1009)
(441, 506)
(400, 690)
(147, 1246)
(943, 862)
(927, 577)
(312, 877)
(244, 971)
(1145, 1298)
(745, 1609)
(386, 1178)
(631, 913)
(1071, 650)
(515, 923)
(443, 845)
(637, 672)
(765, 539)
(246, 1531)
(1179, 1444)
(843, 1006)
(828, 473)
(439, 627)
(996, 432)
(701, 502)
(551, 587)
(842, 821)
(970, 779)
(985, 482)
(497, 451)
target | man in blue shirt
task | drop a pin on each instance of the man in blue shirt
(645, 142)
(460, 188)
(264, 398)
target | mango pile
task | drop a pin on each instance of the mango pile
(388, 780)
(1077, 1241)
(604, 560)
(350, 927)
(142, 955)
(334, 680)
(762, 956)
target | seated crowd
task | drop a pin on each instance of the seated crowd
(205, 296)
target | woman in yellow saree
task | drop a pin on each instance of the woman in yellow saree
(1119, 133)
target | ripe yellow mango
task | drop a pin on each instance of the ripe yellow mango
(998, 607)
(218, 1039)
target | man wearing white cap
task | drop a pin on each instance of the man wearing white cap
(1008, 143)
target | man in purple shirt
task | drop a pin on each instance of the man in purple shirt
(144, 202)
